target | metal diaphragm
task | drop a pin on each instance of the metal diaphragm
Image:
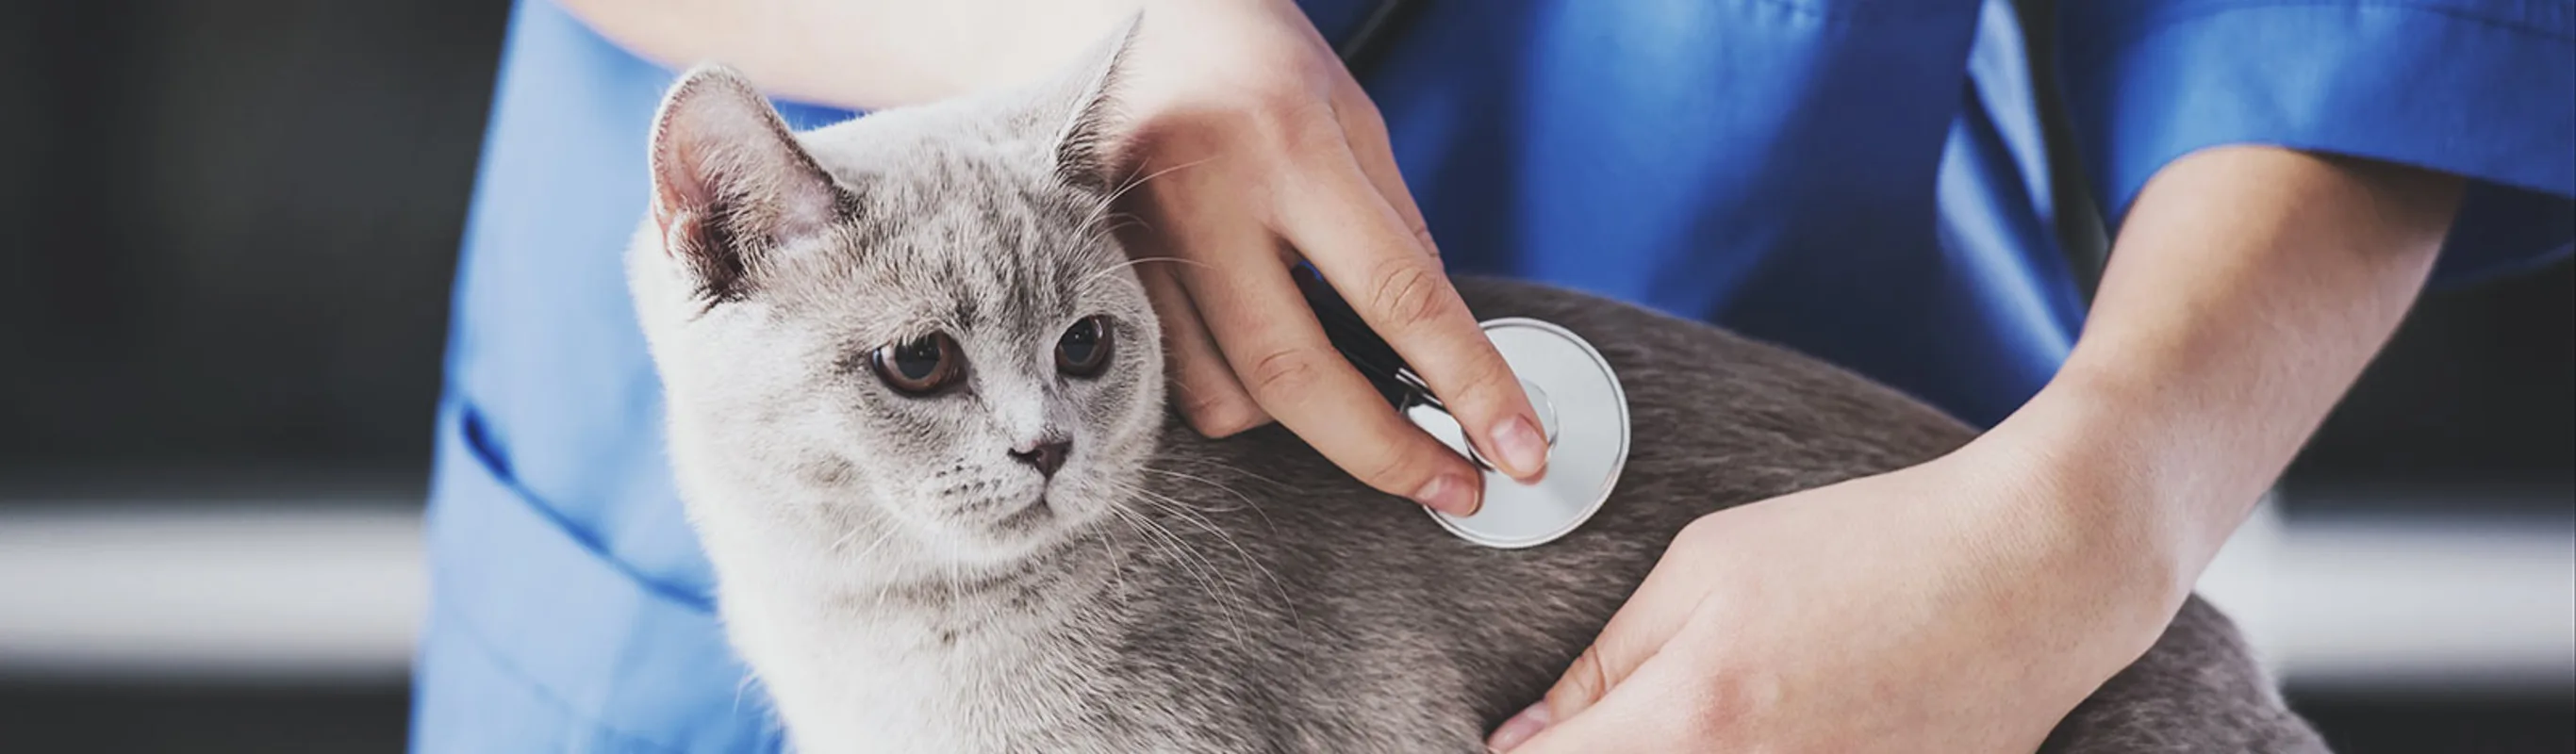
(1585, 416)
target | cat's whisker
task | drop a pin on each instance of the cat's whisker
(853, 533)
(880, 543)
(1113, 223)
(1112, 199)
(1221, 487)
(1093, 239)
(1232, 469)
(1197, 567)
(1131, 185)
(1200, 520)
(855, 527)
(1117, 560)
(1167, 505)
(1097, 222)
(1095, 276)
(1286, 604)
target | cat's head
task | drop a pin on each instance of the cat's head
(915, 325)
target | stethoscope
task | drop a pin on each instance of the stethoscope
(1580, 407)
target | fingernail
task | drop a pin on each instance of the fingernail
(1523, 448)
(1448, 493)
(1519, 729)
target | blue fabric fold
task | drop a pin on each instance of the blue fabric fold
(539, 640)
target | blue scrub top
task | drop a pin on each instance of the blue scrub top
(1859, 179)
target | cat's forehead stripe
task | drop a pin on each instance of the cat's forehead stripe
(978, 239)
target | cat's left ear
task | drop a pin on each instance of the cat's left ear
(1090, 145)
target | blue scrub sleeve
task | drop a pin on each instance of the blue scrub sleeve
(2484, 89)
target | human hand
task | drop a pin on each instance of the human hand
(1253, 146)
(1948, 607)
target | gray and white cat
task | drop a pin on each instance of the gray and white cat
(917, 414)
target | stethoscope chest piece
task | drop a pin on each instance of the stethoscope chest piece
(1580, 408)
(1585, 417)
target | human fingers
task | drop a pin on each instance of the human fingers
(1278, 351)
(1655, 613)
(1335, 217)
(1365, 129)
(1661, 708)
(1214, 402)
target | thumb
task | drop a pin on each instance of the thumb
(1645, 711)
(1601, 667)
(1653, 614)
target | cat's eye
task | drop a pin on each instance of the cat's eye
(1084, 349)
(920, 366)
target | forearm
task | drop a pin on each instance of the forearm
(2248, 288)
(860, 53)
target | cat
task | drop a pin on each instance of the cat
(917, 416)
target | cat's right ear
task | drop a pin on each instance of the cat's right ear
(730, 182)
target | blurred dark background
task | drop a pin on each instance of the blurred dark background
(226, 238)
(230, 227)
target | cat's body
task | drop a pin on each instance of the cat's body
(899, 583)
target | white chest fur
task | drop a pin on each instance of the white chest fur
(913, 669)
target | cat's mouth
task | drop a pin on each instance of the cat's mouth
(1005, 523)
(1028, 518)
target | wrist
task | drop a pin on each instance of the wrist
(2070, 578)
(2099, 500)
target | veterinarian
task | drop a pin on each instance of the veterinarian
(1868, 181)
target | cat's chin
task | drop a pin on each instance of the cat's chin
(993, 555)
(1008, 538)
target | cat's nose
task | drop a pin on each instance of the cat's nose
(1046, 455)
